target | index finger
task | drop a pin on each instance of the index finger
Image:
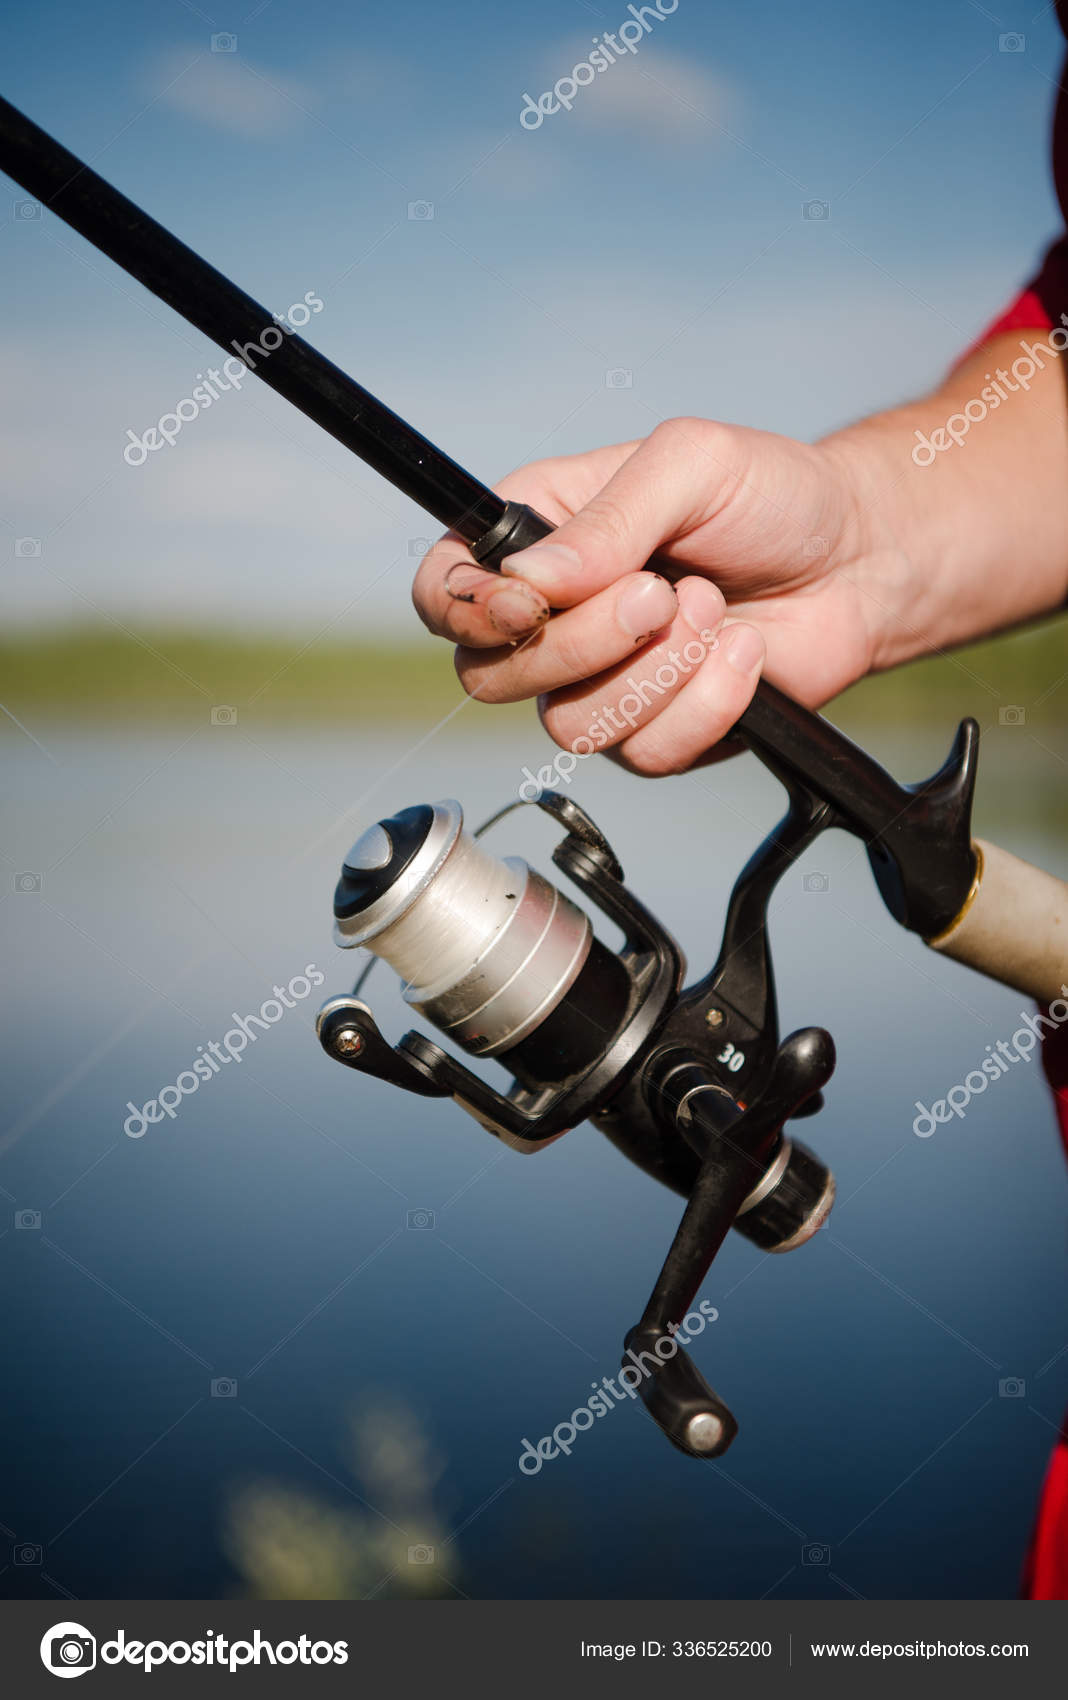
(457, 599)
(452, 594)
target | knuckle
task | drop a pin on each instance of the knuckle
(679, 432)
(421, 603)
(644, 760)
(692, 442)
(427, 590)
(711, 723)
(661, 756)
(420, 595)
(573, 659)
(469, 673)
(713, 461)
(560, 722)
(482, 680)
(437, 625)
(604, 521)
(532, 475)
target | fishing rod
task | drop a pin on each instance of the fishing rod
(692, 1084)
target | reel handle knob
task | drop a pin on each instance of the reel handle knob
(676, 1394)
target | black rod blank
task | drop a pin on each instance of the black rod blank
(149, 253)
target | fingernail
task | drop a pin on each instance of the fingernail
(543, 565)
(462, 580)
(701, 604)
(515, 611)
(645, 605)
(744, 648)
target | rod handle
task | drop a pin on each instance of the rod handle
(1013, 926)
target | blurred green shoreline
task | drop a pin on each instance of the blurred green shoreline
(104, 673)
(112, 682)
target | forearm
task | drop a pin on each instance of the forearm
(964, 537)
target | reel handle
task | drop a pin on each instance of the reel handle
(740, 1151)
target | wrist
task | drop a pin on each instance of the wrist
(962, 502)
(875, 552)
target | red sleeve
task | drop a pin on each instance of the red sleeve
(1026, 314)
(1046, 296)
(1055, 1062)
(1043, 303)
(1046, 1571)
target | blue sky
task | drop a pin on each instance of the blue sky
(656, 229)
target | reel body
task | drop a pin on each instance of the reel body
(691, 1085)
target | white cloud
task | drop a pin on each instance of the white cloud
(229, 92)
(654, 90)
(487, 163)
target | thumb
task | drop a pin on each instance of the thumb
(673, 480)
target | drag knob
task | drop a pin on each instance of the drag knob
(389, 866)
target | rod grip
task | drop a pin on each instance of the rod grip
(1013, 926)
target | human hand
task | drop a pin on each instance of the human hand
(771, 565)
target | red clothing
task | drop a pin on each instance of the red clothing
(1046, 296)
(1046, 1574)
(1039, 307)
(1055, 1061)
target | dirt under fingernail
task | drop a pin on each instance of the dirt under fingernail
(462, 581)
(515, 612)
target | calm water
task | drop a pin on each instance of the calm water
(261, 1236)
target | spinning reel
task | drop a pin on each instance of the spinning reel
(692, 1084)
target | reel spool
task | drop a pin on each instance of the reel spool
(488, 950)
